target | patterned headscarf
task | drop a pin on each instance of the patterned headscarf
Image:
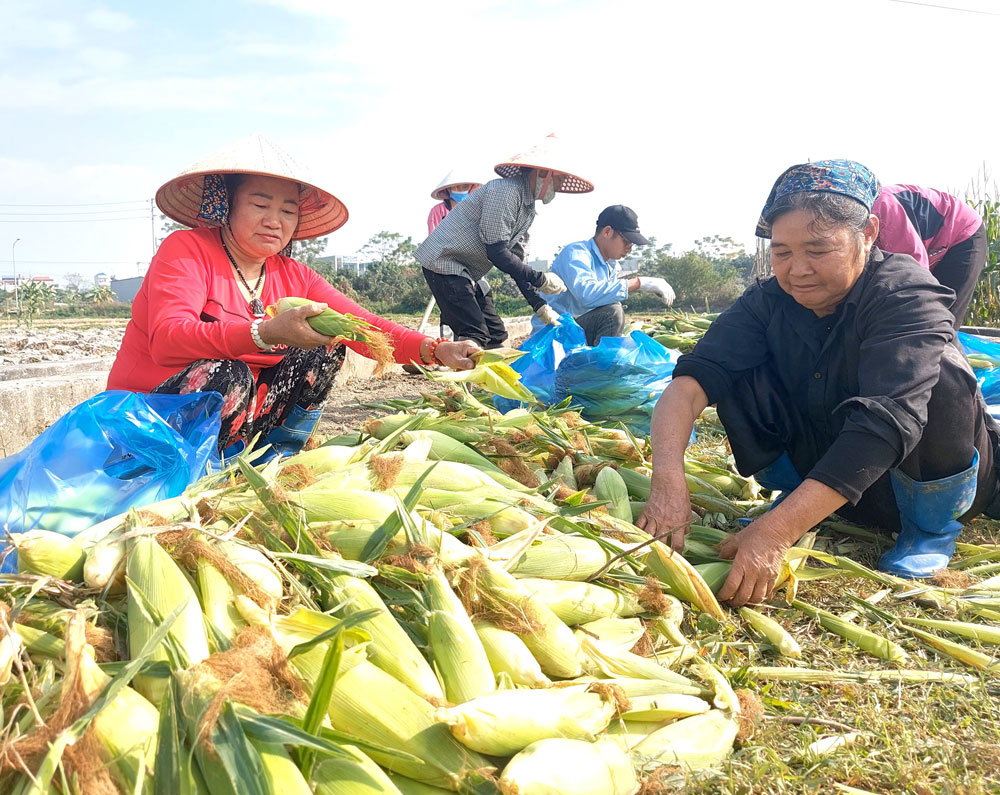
(846, 177)
(215, 205)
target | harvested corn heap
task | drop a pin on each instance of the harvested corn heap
(449, 600)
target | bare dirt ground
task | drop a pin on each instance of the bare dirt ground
(345, 410)
(64, 342)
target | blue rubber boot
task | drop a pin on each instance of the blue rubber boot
(290, 437)
(929, 512)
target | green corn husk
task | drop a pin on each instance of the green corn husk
(564, 473)
(508, 721)
(817, 676)
(508, 655)
(458, 653)
(775, 634)
(642, 688)
(371, 705)
(126, 726)
(349, 327)
(327, 458)
(350, 537)
(666, 706)
(983, 633)
(548, 767)
(408, 786)
(695, 743)
(217, 600)
(561, 557)
(497, 377)
(580, 602)
(606, 660)
(865, 639)
(47, 552)
(446, 448)
(160, 582)
(715, 573)
(329, 506)
(280, 770)
(391, 648)
(610, 486)
(357, 776)
(683, 579)
(957, 651)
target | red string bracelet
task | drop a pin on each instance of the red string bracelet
(431, 351)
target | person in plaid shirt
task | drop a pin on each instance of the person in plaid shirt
(487, 230)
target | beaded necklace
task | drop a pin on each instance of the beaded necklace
(256, 305)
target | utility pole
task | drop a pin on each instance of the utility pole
(17, 303)
(152, 228)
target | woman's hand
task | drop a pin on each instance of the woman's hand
(757, 552)
(457, 355)
(667, 515)
(292, 328)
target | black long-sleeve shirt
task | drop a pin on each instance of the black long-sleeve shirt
(858, 380)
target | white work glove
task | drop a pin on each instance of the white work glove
(547, 315)
(654, 284)
(552, 284)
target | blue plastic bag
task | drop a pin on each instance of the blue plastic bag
(546, 348)
(988, 378)
(115, 451)
(619, 379)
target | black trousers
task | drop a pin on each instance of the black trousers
(604, 321)
(466, 309)
(762, 422)
(960, 269)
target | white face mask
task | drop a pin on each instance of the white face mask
(545, 190)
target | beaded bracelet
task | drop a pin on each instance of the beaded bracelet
(255, 335)
(431, 351)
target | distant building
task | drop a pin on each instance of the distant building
(125, 290)
(539, 264)
(349, 263)
(102, 280)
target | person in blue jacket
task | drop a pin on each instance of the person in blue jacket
(595, 287)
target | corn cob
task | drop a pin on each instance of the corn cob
(331, 323)
(156, 583)
(508, 721)
(570, 766)
(508, 655)
(46, 552)
(580, 602)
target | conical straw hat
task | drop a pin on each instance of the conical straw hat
(451, 179)
(320, 212)
(548, 155)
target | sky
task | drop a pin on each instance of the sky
(685, 111)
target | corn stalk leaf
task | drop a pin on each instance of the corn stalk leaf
(172, 764)
(387, 531)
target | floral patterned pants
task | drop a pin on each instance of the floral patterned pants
(252, 407)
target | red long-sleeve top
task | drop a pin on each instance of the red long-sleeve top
(190, 307)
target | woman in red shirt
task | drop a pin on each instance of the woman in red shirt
(198, 322)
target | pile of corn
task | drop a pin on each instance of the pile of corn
(678, 330)
(449, 599)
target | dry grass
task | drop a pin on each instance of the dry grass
(926, 738)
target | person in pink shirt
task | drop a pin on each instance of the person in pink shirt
(940, 231)
(199, 321)
(450, 191)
